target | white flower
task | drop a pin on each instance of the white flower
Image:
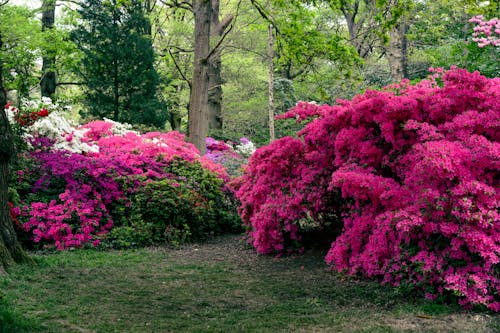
(10, 114)
(120, 128)
(245, 149)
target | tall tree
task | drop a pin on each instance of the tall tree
(270, 36)
(48, 82)
(198, 102)
(10, 249)
(118, 62)
(217, 29)
(397, 16)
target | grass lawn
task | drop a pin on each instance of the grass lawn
(219, 286)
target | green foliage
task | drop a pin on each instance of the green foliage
(21, 37)
(190, 206)
(304, 35)
(468, 55)
(118, 62)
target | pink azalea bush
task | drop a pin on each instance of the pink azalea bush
(410, 173)
(69, 199)
(486, 32)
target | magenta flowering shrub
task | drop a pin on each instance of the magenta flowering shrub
(70, 199)
(411, 173)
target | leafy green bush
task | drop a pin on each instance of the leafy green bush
(190, 205)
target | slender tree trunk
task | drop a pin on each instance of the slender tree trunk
(214, 74)
(174, 116)
(10, 249)
(271, 78)
(198, 102)
(48, 83)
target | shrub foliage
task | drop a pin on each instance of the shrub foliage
(410, 174)
(78, 184)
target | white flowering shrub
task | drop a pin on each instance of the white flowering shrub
(245, 148)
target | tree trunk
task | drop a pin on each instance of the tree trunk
(48, 82)
(397, 53)
(198, 102)
(10, 249)
(271, 78)
(214, 74)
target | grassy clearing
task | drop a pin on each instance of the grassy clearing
(221, 286)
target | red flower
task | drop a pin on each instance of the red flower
(43, 112)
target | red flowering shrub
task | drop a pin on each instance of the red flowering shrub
(412, 172)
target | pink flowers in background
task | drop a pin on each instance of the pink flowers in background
(411, 173)
(486, 32)
(233, 156)
(73, 193)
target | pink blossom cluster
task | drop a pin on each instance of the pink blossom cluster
(486, 32)
(410, 173)
(76, 191)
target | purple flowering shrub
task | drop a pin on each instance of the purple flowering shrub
(69, 199)
(410, 173)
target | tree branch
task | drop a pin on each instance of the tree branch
(219, 42)
(70, 83)
(264, 15)
(179, 69)
(178, 4)
(223, 25)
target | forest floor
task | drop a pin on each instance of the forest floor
(218, 286)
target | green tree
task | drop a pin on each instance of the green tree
(48, 82)
(10, 249)
(21, 48)
(118, 62)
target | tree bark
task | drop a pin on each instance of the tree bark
(198, 102)
(214, 74)
(397, 54)
(271, 77)
(48, 83)
(10, 250)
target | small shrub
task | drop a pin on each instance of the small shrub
(190, 204)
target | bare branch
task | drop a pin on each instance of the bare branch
(264, 15)
(179, 69)
(219, 42)
(178, 4)
(70, 83)
(179, 49)
(223, 25)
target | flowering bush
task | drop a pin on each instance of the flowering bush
(231, 156)
(486, 32)
(78, 182)
(411, 174)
